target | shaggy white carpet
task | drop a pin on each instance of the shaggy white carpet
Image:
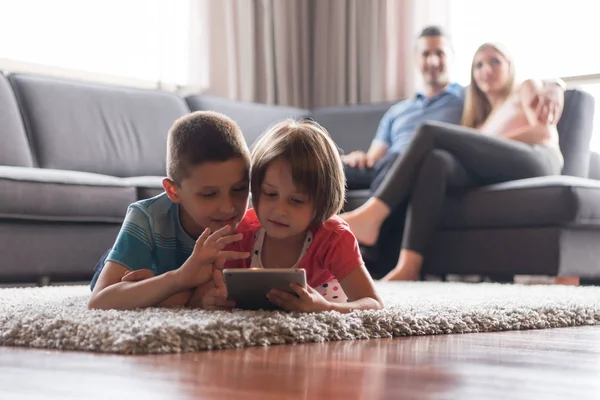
(58, 318)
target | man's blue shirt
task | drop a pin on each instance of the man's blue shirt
(399, 123)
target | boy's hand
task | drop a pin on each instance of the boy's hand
(216, 297)
(207, 254)
(309, 301)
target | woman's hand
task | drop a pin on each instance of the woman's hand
(308, 300)
(547, 102)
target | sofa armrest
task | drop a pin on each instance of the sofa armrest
(594, 166)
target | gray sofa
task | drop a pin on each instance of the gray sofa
(74, 155)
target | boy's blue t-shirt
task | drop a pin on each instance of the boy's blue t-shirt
(152, 237)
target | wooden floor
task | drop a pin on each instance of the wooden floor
(546, 364)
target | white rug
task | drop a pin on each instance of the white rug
(58, 318)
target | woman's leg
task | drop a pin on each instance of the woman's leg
(489, 158)
(439, 171)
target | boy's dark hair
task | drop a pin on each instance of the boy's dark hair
(203, 136)
(315, 161)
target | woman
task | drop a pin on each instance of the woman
(501, 140)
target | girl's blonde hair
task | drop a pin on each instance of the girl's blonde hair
(477, 107)
(314, 159)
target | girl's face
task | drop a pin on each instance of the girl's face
(284, 209)
(491, 71)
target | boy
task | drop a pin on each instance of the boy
(168, 245)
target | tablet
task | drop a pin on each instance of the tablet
(248, 287)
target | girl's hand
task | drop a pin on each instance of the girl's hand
(309, 299)
(216, 297)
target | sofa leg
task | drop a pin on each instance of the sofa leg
(43, 281)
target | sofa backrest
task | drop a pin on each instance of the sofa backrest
(575, 132)
(351, 127)
(110, 130)
(252, 118)
(14, 147)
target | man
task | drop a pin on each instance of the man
(441, 100)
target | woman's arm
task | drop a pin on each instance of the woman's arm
(531, 93)
(536, 134)
(542, 101)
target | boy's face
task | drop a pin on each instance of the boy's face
(284, 210)
(213, 195)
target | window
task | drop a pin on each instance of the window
(594, 90)
(547, 38)
(139, 40)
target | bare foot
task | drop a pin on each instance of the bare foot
(364, 228)
(567, 280)
(403, 274)
(408, 267)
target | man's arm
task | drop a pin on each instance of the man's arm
(379, 146)
(376, 152)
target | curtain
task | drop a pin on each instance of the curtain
(310, 53)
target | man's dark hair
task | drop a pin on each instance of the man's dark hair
(432, 31)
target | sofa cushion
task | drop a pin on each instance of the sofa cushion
(146, 186)
(56, 195)
(14, 147)
(356, 198)
(535, 202)
(104, 129)
(351, 127)
(252, 118)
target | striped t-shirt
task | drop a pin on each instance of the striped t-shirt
(152, 237)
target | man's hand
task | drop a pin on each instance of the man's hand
(216, 297)
(548, 103)
(358, 159)
(208, 254)
(309, 299)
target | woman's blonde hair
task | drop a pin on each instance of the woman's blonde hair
(314, 159)
(477, 107)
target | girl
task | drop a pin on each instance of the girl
(298, 187)
(501, 140)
